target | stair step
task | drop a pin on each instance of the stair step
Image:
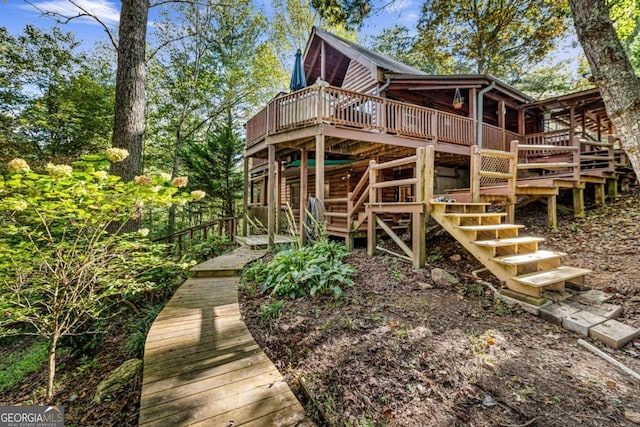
(549, 277)
(495, 243)
(546, 165)
(528, 258)
(435, 202)
(475, 215)
(525, 147)
(490, 227)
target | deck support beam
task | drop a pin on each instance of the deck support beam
(578, 203)
(320, 169)
(271, 220)
(612, 188)
(304, 178)
(552, 212)
(278, 190)
(245, 196)
(599, 194)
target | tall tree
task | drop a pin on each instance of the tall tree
(130, 104)
(612, 72)
(399, 43)
(500, 37)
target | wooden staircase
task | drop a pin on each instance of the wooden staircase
(514, 259)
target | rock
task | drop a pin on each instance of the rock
(442, 278)
(118, 378)
(456, 257)
(632, 416)
(425, 285)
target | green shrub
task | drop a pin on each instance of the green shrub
(17, 365)
(305, 271)
(210, 248)
(135, 342)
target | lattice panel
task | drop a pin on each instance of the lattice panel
(493, 164)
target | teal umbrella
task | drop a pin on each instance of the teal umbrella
(298, 81)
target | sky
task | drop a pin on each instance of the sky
(15, 14)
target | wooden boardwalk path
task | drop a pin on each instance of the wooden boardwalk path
(201, 364)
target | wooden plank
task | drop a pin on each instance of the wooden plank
(522, 240)
(541, 147)
(521, 259)
(395, 238)
(396, 183)
(490, 227)
(547, 165)
(550, 277)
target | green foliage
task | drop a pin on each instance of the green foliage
(63, 260)
(349, 12)
(202, 251)
(139, 329)
(399, 43)
(17, 365)
(273, 310)
(309, 270)
(500, 38)
(54, 101)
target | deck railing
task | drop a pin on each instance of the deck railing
(320, 104)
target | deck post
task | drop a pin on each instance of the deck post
(371, 217)
(552, 212)
(513, 182)
(419, 236)
(278, 190)
(320, 169)
(575, 141)
(429, 176)
(476, 164)
(271, 220)
(578, 203)
(304, 162)
(612, 188)
(245, 198)
(599, 194)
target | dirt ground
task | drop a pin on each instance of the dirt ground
(399, 350)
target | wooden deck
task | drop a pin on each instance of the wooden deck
(261, 241)
(203, 367)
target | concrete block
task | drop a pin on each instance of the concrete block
(593, 296)
(610, 311)
(582, 321)
(613, 333)
(555, 313)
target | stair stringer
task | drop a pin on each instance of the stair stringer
(486, 255)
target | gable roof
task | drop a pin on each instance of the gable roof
(356, 51)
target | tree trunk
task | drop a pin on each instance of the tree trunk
(128, 126)
(52, 366)
(612, 71)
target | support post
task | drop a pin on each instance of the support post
(245, 198)
(552, 212)
(612, 188)
(512, 183)
(578, 203)
(501, 123)
(430, 172)
(304, 169)
(320, 168)
(371, 217)
(599, 194)
(278, 190)
(575, 141)
(271, 220)
(419, 236)
(476, 163)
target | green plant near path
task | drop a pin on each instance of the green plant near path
(308, 270)
(63, 261)
(17, 365)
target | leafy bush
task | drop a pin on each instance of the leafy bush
(65, 259)
(308, 270)
(210, 248)
(139, 329)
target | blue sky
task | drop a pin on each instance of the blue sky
(15, 14)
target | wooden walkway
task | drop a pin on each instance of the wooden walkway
(202, 366)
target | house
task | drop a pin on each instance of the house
(373, 142)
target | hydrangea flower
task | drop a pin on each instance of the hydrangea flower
(19, 165)
(116, 154)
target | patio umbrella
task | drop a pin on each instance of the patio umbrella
(298, 80)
